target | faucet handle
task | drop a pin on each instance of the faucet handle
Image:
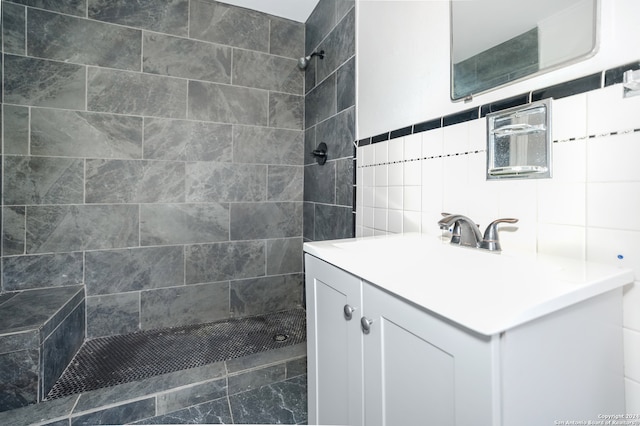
(490, 240)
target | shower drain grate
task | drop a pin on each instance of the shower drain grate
(109, 361)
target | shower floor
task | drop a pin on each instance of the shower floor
(109, 361)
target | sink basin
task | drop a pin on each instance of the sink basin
(483, 291)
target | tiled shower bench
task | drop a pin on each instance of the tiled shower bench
(40, 332)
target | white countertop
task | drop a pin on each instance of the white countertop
(480, 290)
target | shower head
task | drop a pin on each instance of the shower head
(303, 62)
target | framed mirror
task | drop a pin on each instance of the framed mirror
(496, 42)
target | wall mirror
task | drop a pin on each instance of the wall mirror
(496, 42)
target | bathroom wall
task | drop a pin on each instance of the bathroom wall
(412, 167)
(330, 118)
(153, 151)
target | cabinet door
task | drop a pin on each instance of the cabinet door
(422, 370)
(334, 345)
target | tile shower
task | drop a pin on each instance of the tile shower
(154, 156)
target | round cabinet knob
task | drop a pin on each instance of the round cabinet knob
(366, 324)
(348, 311)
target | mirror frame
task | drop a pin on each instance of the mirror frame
(467, 98)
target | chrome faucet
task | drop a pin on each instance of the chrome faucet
(466, 233)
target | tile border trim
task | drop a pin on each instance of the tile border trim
(579, 85)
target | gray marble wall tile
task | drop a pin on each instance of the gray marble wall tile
(113, 314)
(18, 379)
(319, 24)
(286, 38)
(309, 212)
(333, 222)
(6, 297)
(297, 367)
(60, 347)
(341, 43)
(284, 256)
(266, 294)
(192, 395)
(260, 359)
(29, 339)
(320, 183)
(39, 309)
(70, 297)
(13, 28)
(343, 7)
(134, 181)
(285, 183)
(119, 415)
(187, 140)
(192, 304)
(48, 270)
(70, 7)
(165, 16)
(224, 261)
(125, 92)
(224, 182)
(13, 229)
(320, 103)
(230, 25)
(346, 85)
(64, 422)
(310, 144)
(256, 378)
(16, 129)
(267, 146)
(118, 271)
(63, 311)
(183, 223)
(339, 133)
(85, 134)
(82, 41)
(186, 58)
(286, 111)
(269, 72)
(265, 220)
(227, 104)
(42, 180)
(170, 381)
(74, 228)
(330, 118)
(310, 75)
(37, 82)
(56, 408)
(211, 412)
(344, 182)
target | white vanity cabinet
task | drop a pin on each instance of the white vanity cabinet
(419, 369)
(334, 348)
(395, 363)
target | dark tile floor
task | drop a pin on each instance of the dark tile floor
(282, 402)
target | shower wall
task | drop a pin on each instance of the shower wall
(330, 118)
(153, 151)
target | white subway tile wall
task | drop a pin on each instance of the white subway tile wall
(589, 209)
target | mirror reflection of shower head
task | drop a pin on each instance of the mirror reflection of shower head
(303, 63)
